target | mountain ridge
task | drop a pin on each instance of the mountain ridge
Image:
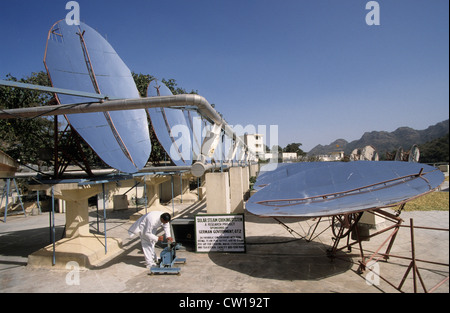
(384, 141)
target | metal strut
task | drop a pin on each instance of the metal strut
(290, 230)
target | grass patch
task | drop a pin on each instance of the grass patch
(434, 201)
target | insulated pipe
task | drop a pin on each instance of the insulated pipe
(180, 101)
(177, 101)
(105, 105)
(196, 102)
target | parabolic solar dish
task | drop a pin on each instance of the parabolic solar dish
(195, 125)
(171, 127)
(199, 128)
(271, 172)
(342, 187)
(78, 58)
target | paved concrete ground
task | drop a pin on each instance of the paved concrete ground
(275, 261)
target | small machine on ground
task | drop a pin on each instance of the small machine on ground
(168, 260)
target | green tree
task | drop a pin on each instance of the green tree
(20, 138)
(435, 151)
(142, 81)
(294, 147)
(173, 86)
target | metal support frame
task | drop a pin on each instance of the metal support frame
(104, 219)
(352, 228)
(369, 258)
(135, 186)
(290, 230)
(71, 151)
(52, 227)
(10, 83)
(171, 185)
(7, 192)
(374, 256)
(38, 203)
(412, 265)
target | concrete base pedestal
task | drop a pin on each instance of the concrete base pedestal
(371, 221)
(79, 245)
(86, 251)
(153, 197)
(237, 191)
(368, 224)
(217, 193)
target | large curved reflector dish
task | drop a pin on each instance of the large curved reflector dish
(78, 58)
(171, 127)
(343, 187)
(195, 125)
(272, 172)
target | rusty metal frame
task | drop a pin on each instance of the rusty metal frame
(354, 230)
(413, 264)
(63, 156)
(370, 257)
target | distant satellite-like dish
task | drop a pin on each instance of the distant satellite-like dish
(170, 126)
(399, 154)
(368, 153)
(355, 155)
(78, 58)
(414, 154)
(313, 190)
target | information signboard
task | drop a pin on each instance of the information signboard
(220, 233)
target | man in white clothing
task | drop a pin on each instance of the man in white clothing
(146, 227)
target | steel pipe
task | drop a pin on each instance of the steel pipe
(196, 102)
(186, 101)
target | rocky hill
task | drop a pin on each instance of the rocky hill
(384, 141)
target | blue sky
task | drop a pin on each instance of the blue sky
(314, 68)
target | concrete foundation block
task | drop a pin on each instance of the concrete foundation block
(120, 202)
(236, 190)
(86, 251)
(371, 221)
(217, 193)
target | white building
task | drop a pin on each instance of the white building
(255, 143)
(289, 156)
(285, 156)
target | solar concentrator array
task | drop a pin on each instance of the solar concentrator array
(78, 58)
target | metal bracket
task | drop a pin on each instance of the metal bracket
(212, 139)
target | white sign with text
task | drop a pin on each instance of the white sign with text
(220, 233)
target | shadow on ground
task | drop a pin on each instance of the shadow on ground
(283, 258)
